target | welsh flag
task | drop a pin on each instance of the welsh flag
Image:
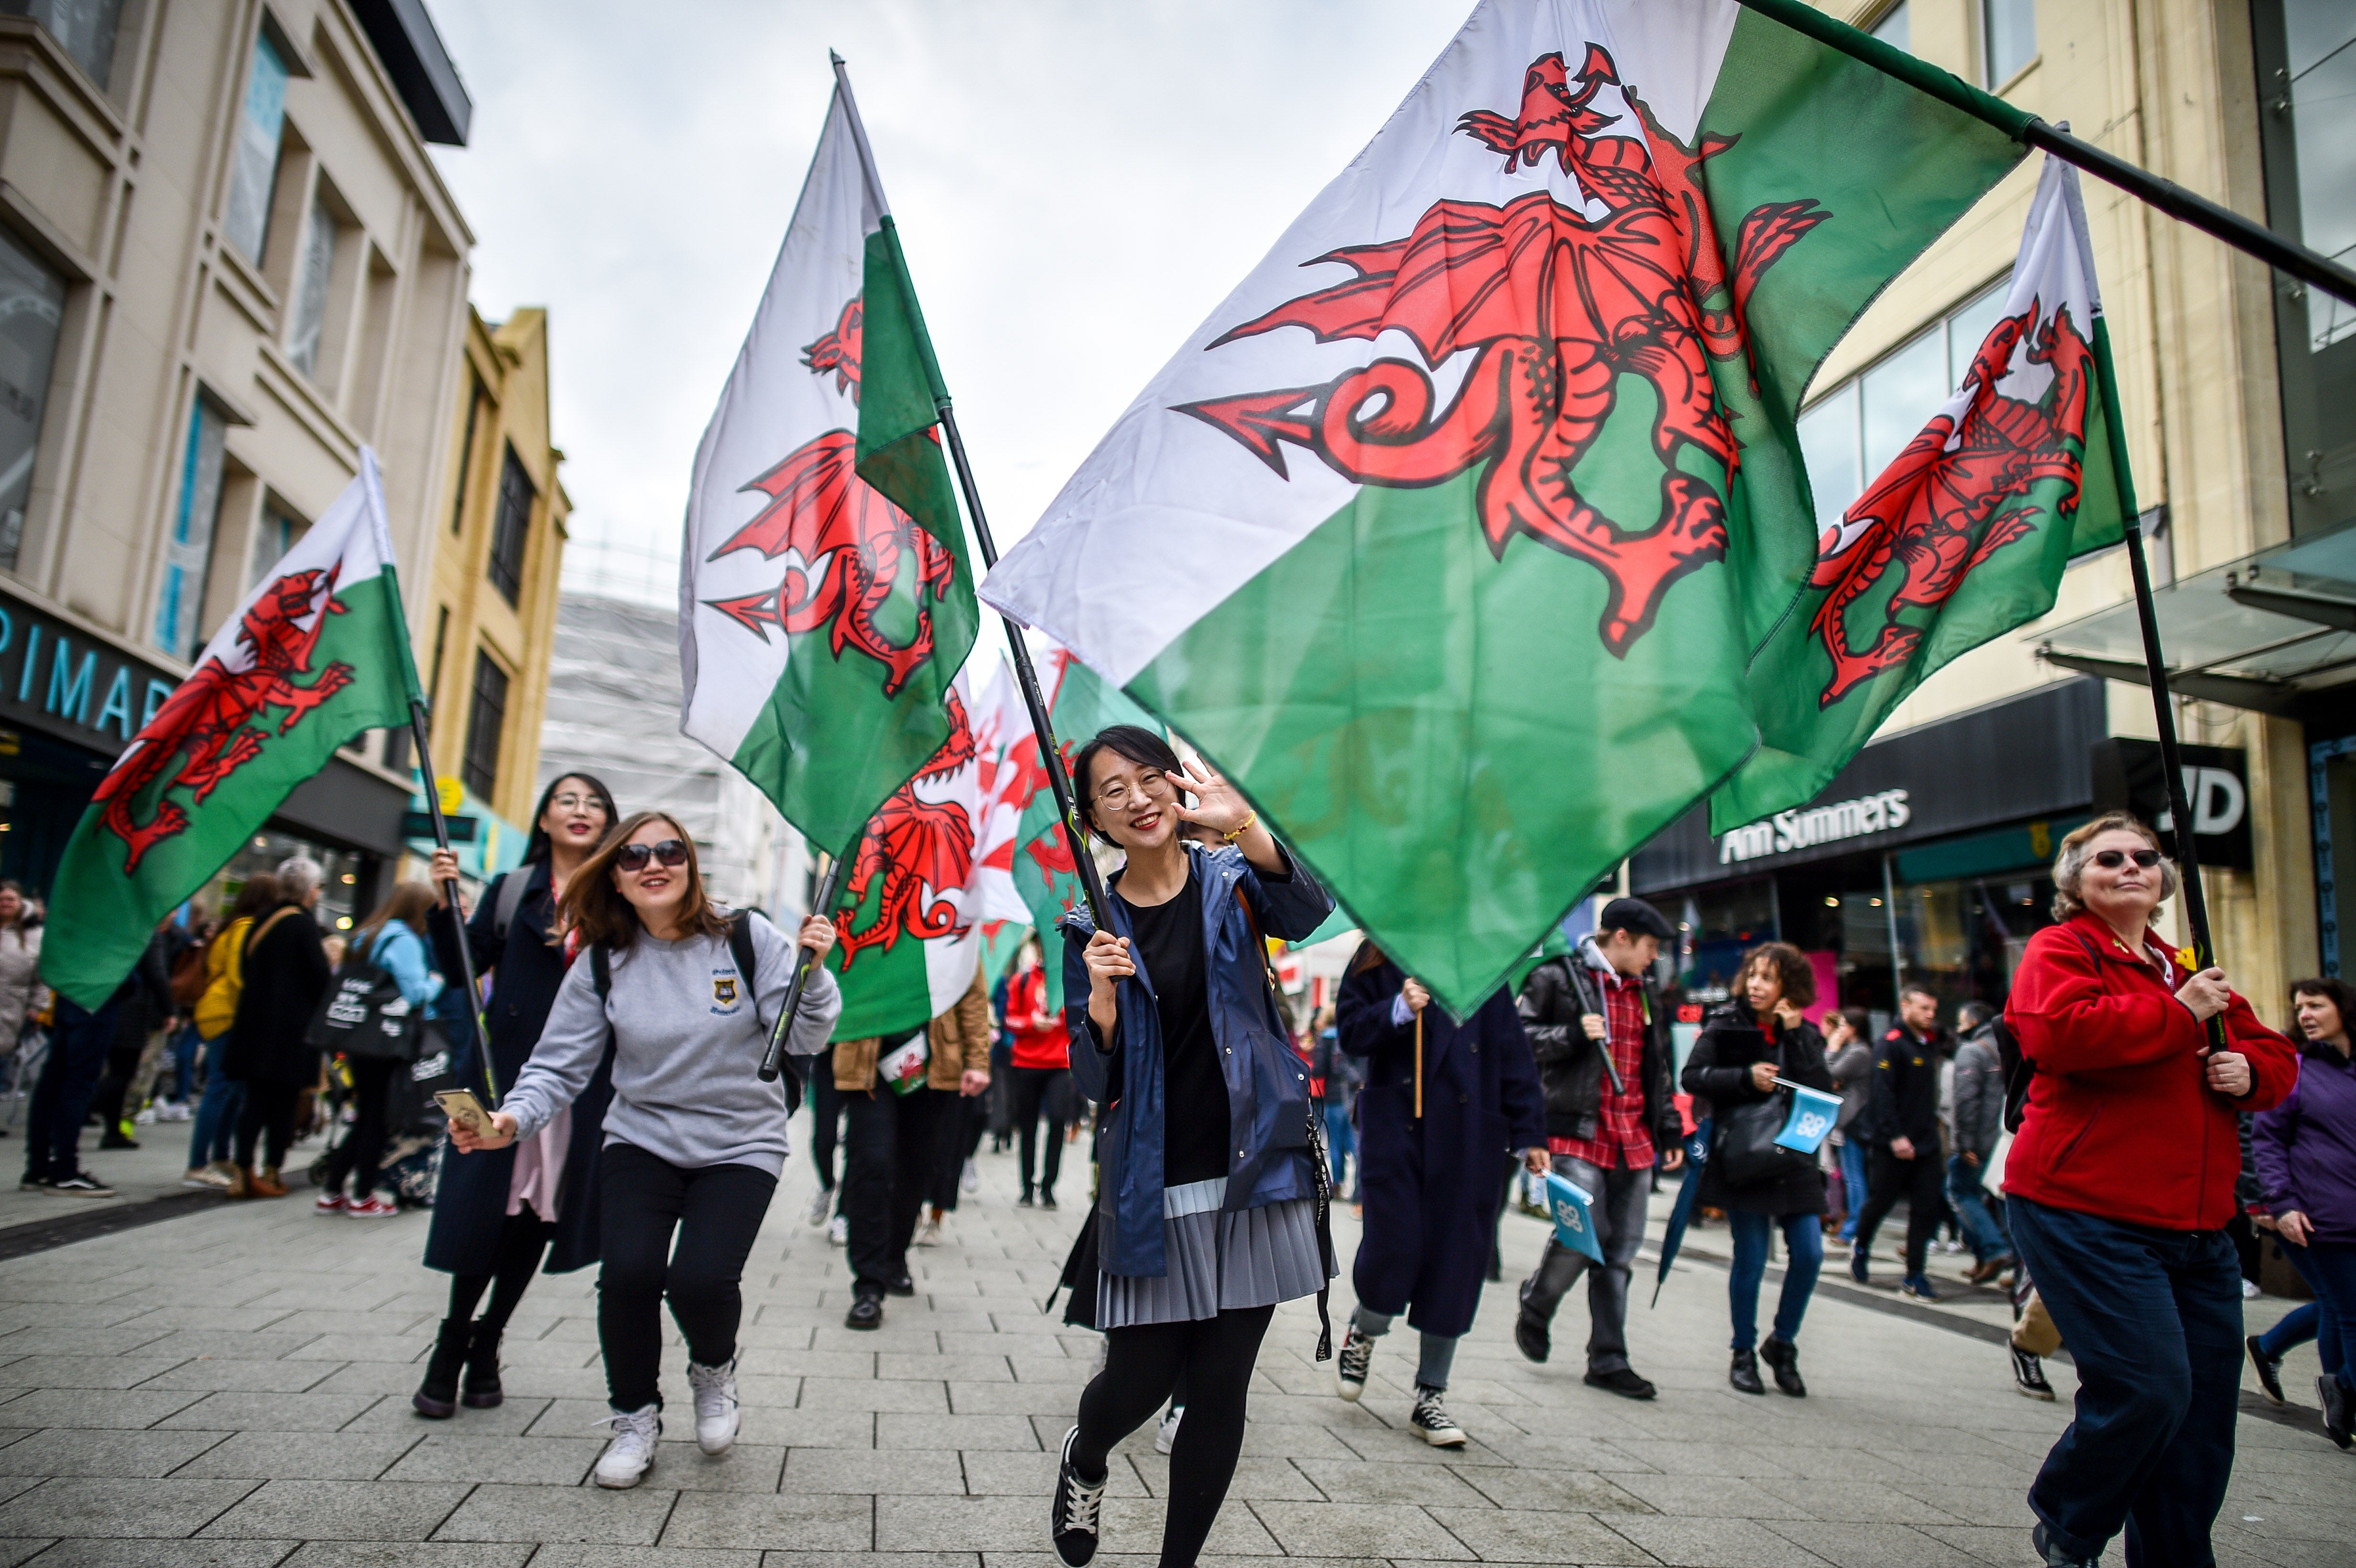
(1486, 477)
(317, 652)
(1964, 537)
(825, 599)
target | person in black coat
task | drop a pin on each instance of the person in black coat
(1429, 1185)
(78, 1047)
(269, 1048)
(1745, 1046)
(474, 1237)
(1907, 1162)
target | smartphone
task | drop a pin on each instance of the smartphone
(464, 1111)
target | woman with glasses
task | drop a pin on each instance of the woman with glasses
(496, 1213)
(694, 1140)
(2118, 1188)
(1206, 1193)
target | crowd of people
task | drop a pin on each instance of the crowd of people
(2111, 1147)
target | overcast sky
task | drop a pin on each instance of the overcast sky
(1076, 186)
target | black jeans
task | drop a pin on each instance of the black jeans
(887, 1169)
(78, 1047)
(826, 1116)
(357, 1156)
(959, 1133)
(1031, 1086)
(1922, 1183)
(717, 1211)
(114, 1085)
(269, 1108)
(1143, 1365)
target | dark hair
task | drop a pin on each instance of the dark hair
(256, 899)
(594, 906)
(1912, 989)
(1791, 968)
(1132, 741)
(2332, 989)
(1858, 1019)
(1972, 1014)
(537, 847)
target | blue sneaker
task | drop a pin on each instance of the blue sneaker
(1857, 1270)
(1917, 1287)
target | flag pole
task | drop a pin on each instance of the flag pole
(830, 889)
(417, 727)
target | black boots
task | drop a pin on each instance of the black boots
(1784, 1357)
(483, 1389)
(437, 1396)
(1744, 1373)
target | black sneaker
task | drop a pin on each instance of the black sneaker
(1859, 1270)
(2339, 1409)
(1623, 1382)
(34, 1184)
(1531, 1333)
(1072, 1516)
(1783, 1357)
(2029, 1374)
(1357, 1359)
(866, 1311)
(1430, 1421)
(1744, 1373)
(82, 1184)
(2053, 1556)
(903, 1285)
(2268, 1368)
(1046, 1201)
(1026, 1200)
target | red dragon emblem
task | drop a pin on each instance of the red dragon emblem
(1554, 307)
(844, 544)
(1959, 477)
(915, 851)
(208, 719)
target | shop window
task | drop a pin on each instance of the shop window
(32, 303)
(188, 547)
(2008, 39)
(253, 177)
(2306, 53)
(512, 529)
(316, 270)
(1893, 28)
(1715, 927)
(84, 29)
(274, 535)
(486, 726)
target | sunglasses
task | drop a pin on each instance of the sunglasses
(634, 857)
(2112, 860)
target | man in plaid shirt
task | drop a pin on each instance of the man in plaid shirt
(1602, 1038)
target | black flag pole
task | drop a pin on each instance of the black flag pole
(417, 727)
(830, 889)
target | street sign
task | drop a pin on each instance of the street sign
(2127, 777)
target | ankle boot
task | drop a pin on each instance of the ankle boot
(483, 1389)
(437, 1396)
(264, 1183)
(241, 1181)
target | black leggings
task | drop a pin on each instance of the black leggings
(1143, 1366)
(717, 1211)
(357, 1156)
(523, 1238)
(826, 1116)
(269, 1108)
(1031, 1086)
(1922, 1182)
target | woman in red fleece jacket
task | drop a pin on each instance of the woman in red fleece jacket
(2118, 1188)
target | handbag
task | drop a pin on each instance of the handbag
(1748, 1153)
(364, 1013)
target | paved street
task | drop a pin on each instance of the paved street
(233, 1388)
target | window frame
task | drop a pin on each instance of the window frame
(511, 528)
(480, 773)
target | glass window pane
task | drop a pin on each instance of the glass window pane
(273, 538)
(84, 29)
(32, 302)
(1969, 328)
(1893, 30)
(2007, 37)
(188, 552)
(2323, 121)
(311, 288)
(256, 171)
(1899, 395)
(1828, 446)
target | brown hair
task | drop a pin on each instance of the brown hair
(1791, 968)
(594, 906)
(408, 903)
(2070, 863)
(257, 898)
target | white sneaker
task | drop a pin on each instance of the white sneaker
(928, 1234)
(972, 1179)
(2249, 1290)
(145, 1118)
(627, 1458)
(172, 1111)
(1166, 1433)
(821, 1204)
(838, 1231)
(715, 1406)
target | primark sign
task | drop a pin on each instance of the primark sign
(1809, 828)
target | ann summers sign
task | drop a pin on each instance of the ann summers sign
(1805, 830)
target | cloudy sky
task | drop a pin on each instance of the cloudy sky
(1077, 184)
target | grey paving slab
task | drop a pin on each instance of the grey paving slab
(85, 1371)
(745, 1467)
(15, 1550)
(296, 1455)
(1334, 1481)
(266, 1411)
(585, 1515)
(207, 1374)
(150, 1552)
(408, 1554)
(1360, 1530)
(82, 1451)
(925, 1432)
(393, 1413)
(1559, 1491)
(897, 1395)
(339, 1511)
(1716, 1543)
(527, 1461)
(118, 1409)
(993, 1472)
(577, 1556)
(112, 1506)
(1529, 1535)
(741, 1520)
(1873, 1545)
(909, 1472)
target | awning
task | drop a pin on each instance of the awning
(2267, 632)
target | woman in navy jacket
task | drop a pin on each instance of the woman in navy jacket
(1206, 1190)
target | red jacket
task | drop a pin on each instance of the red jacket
(1039, 1036)
(2119, 1120)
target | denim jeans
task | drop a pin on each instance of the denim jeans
(77, 1048)
(1619, 1198)
(213, 1126)
(1341, 1139)
(2329, 1270)
(1970, 1200)
(2154, 1320)
(1803, 1249)
(184, 1063)
(1853, 1183)
(2296, 1327)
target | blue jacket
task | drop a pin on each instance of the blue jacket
(1268, 1082)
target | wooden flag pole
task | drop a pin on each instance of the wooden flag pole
(1419, 1064)
(830, 889)
(417, 730)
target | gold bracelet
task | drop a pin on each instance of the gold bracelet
(1246, 826)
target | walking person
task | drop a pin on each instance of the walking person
(958, 1068)
(143, 1011)
(1848, 1057)
(1335, 1079)
(1206, 1211)
(212, 1132)
(1437, 1121)
(1041, 1061)
(270, 1050)
(1600, 1036)
(2306, 1149)
(1904, 1102)
(1978, 1124)
(499, 1211)
(694, 1141)
(826, 1136)
(2118, 1187)
(394, 940)
(21, 991)
(1726, 1069)
(890, 1142)
(80, 1041)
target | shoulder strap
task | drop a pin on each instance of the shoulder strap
(253, 937)
(1259, 944)
(601, 970)
(513, 885)
(739, 948)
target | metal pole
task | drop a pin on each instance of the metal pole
(1890, 915)
(806, 960)
(417, 727)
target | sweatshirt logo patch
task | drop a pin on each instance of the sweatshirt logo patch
(723, 990)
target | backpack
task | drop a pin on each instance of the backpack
(188, 974)
(2018, 1068)
(513, 885)
(740, 950)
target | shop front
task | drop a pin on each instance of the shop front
(1925, 862)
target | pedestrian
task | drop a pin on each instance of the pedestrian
(1978, 1124)
(957, 1067)
(270, 1050)
(1001, 1060)
(694, 1141)
(212, 1132)
(145, 1010)
(497, 1212)
(1848, 1057)
(394, 940)
(826, 1105)
(2118, 1187)
(1745, 1046)
(1206, 1214)
(1335, 1079)
(2306, 1149)
(1443, 1102)
(1600, 1032)
(891, 1144)
(1903, 1104)
(1041, 1062)
(80, 1039)
(21, 991)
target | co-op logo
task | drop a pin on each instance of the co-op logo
(2217, 801)
(1789, 830)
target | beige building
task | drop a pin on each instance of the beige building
(2239, 395)
(227, 263)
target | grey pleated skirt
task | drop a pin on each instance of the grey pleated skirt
(1257, 1257)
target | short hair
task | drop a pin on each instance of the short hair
(1916, 988)
(1793, 970)
(1971, 1015)
(1133, 742)
(2332, 989)
(2070, 863)
(297, 876)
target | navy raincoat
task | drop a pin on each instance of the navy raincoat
(1268, 1080)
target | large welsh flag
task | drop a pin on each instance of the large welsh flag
(825, 599)
(1964, 535)
(317, 652)
(1486, 479)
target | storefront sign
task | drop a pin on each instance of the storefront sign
(1789, 830)
(2129, 778)
(57, 678)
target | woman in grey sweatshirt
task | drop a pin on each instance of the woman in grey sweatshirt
(694, 1140)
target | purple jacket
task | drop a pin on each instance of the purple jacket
(2306, 1146)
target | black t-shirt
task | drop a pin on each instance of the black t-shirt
(1169, 937)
